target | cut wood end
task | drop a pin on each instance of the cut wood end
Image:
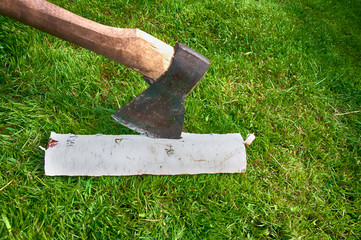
(249, 139)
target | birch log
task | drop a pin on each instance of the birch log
(120, 155)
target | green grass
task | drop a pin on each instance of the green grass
(290, 71)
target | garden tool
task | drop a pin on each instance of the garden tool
(171, 72)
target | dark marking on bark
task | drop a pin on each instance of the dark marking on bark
(52, 143)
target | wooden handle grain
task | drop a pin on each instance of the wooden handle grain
(131, 47)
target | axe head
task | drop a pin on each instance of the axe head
(159, 110)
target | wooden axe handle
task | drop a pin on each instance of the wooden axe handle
(131, 47)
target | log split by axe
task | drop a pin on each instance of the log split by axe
(171, 72)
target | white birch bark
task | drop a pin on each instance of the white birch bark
(120, 155)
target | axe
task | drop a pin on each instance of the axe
(171, 72)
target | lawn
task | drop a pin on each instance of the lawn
(289, 71)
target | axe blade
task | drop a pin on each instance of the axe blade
(159, 110)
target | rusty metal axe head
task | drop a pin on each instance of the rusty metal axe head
(159, 110)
